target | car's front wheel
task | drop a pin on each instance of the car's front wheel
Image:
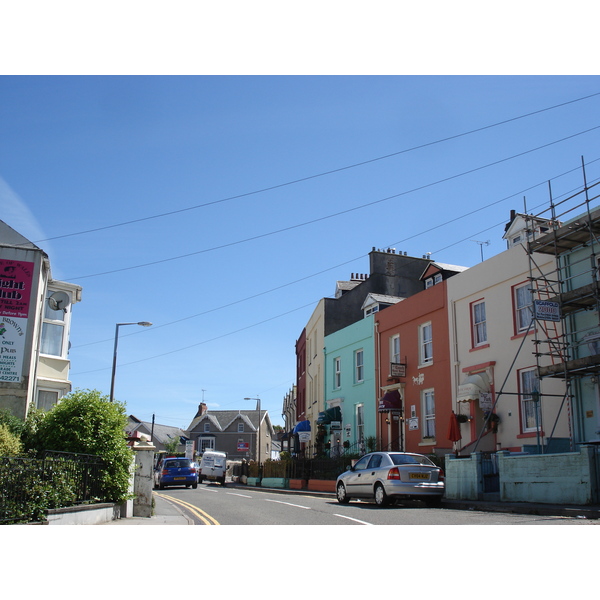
(342, 496)
(381, 498)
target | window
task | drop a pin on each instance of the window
(337, 373)
(428, 411)
(523, 308)
(53, 330)
(46, 399)
(240, 428)
(425, 344)
(360, 424)
(359, 368)
(395, 349)
(437, 278)
(206, 427)
(528, 382)
(478, 324)
(206, 443)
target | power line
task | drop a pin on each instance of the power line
(316, 176)
(337, 214)
(470, 213)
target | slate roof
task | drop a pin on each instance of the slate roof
(222, 419)
(10, 237)
(163, 434)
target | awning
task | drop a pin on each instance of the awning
(302, 426)
(331, 414)
(472, 387)
(390, 401)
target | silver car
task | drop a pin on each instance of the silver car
(386, 476)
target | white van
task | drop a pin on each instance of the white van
(213, 467)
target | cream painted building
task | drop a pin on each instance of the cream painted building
(35, 321)
(315, 367)
(493, 353)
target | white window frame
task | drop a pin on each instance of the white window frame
(47, 390)
(360, 424)
(520, 293)
(478, 323)
(206, 443)
(240, 427)
(51, 320)
(337, 373)
(425, 344)
(359, 366)
(437, 278)
(428, 412)
(206, 427)
(395, 348)
(528, 382)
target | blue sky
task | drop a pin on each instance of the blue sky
(222, 208)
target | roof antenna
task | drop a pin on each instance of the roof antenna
(481, 244)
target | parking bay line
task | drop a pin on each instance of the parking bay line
(288, 503)
(351, 519)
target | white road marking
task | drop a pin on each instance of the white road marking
(242, 495)
(288, 503)
(351, 519)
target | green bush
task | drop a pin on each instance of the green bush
(10, 444)
(85, 422)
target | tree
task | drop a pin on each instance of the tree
(85, 422)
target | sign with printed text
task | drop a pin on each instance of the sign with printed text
(545, 310)
(16, 280)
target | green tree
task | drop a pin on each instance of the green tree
(85, 422)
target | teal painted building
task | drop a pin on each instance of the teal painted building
(349, 420)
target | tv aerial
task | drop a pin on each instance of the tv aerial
(481, 244)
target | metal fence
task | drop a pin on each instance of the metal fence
(30, 486)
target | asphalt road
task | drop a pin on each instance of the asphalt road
(212, 504)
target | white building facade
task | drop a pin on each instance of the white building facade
(35, 321)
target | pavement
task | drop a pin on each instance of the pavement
(167, 513)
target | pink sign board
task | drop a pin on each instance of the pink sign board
(16, 278)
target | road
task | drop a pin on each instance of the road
(212, 504)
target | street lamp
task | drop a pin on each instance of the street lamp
(114, 365)
(258, 409)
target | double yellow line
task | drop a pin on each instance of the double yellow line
(197, 512)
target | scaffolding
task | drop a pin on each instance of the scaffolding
(569, 230)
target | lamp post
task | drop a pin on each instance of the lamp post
(114, 365)
(258, 409)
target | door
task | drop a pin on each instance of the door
(355, 482)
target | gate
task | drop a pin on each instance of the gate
(489, 471)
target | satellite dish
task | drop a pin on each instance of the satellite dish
(59, 301)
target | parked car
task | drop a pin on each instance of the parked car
(175, 471)
(388, 476)
(213, 467)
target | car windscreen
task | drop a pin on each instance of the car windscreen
(408, 459)
(172, 464)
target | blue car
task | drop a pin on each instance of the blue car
(175, 471)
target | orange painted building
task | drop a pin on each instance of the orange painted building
(413, 368)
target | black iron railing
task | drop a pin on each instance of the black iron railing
(30, 486)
